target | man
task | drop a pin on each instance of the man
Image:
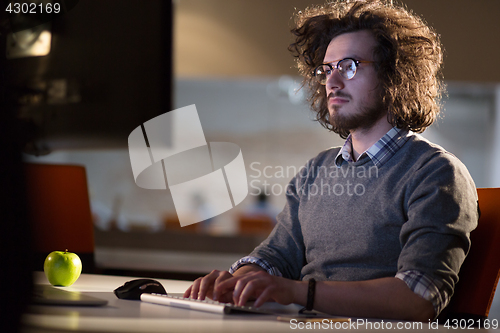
(380, 226)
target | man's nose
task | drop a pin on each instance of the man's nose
(335, 81)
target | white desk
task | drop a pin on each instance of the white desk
(136, 316)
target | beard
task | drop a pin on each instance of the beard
(363, 119)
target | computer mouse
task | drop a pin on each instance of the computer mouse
(134, 288)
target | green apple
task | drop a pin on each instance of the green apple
(62, 268)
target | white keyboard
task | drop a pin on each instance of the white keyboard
(195, 304)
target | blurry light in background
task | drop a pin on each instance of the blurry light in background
(32, 42)
(287, 88)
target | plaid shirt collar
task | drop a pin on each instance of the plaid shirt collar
(380, 152)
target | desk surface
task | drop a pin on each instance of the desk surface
(136, 316)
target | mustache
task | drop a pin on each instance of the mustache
(339, 94)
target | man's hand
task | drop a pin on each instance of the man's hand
(207, 286)
(260, 286)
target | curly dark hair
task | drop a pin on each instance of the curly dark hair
(408, 57)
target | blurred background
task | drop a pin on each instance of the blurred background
(82, 82)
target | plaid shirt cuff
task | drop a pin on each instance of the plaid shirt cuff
(426, 287)
(257, 261)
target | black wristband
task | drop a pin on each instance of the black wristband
(311, 289)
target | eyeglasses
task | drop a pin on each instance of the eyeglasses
(347, 68)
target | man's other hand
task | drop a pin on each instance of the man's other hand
(248, 283)
(261, 287)
(205, 286)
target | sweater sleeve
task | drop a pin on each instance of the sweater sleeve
(441, 208)
(284, 248)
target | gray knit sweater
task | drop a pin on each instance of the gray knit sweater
(360, 222)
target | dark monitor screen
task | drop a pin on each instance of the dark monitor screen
(108, 69)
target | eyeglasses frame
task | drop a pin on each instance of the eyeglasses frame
(333, 67)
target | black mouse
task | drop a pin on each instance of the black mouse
(133, 289)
